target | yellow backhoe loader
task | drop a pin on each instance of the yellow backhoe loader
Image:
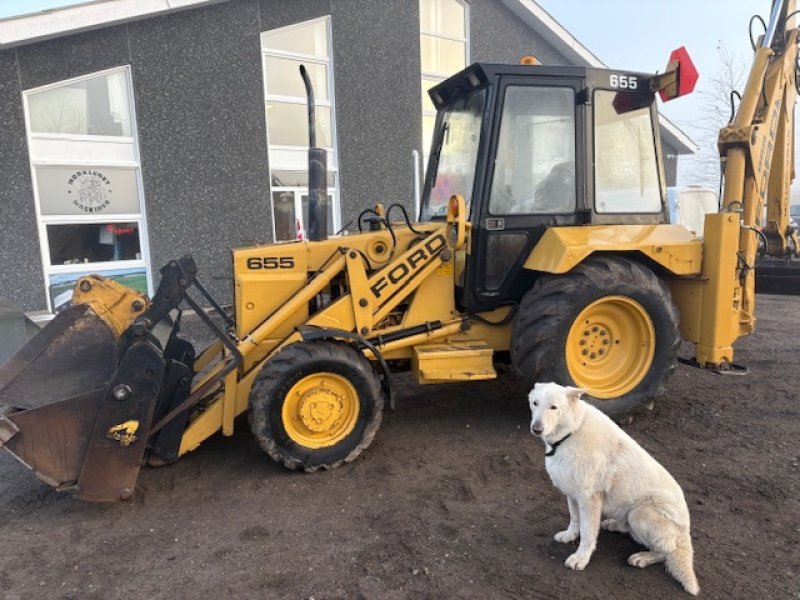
(542, 240)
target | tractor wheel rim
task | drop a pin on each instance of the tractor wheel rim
(610, 346)
(320, 410)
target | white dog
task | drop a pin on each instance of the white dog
(604, 472)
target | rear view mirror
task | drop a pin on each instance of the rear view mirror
(625, 102)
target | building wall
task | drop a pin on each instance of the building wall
(499, 36)
(202, 132)
(378, 90)
(198, 93)
(21, 275)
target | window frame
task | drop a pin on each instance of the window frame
(134, 163)
(439, 77)
(329, 102)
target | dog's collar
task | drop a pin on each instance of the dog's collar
(555, 445)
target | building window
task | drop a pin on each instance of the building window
(87, 182)
(284, 50)
(94, 106)
(444, 50)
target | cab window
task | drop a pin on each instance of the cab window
(535, 165)
(626, 171)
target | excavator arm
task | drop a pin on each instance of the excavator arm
(757, 151)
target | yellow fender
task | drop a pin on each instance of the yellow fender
(672, 246)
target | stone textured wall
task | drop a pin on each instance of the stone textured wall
(202, 135)
(21, 277)
(378, 106)
(499, 36)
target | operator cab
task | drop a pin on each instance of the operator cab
(530, 147)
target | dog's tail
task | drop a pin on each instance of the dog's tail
(680, 565)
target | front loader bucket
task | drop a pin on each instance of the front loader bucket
(51, 440)
(77, 401)
(50, 394)
(15, 330)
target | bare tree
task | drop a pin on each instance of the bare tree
(714, 113)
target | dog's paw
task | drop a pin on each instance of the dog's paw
(612, 525)
(566, 536)
(645, 559)
(577, 561)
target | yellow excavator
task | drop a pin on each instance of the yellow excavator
(542, 241)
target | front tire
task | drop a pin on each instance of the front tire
(609, 325)
(316, 405)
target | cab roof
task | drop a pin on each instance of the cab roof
(478, 75)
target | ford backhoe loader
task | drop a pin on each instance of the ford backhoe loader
(543, 240)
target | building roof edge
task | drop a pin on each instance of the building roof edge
(78, 18)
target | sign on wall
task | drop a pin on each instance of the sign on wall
(92, 190)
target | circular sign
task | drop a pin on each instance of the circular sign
(90, 191)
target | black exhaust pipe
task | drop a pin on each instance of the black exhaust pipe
(318, 205)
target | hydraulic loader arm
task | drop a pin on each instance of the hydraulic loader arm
(757, 150)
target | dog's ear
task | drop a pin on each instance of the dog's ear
(574, 393)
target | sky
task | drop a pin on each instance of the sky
(640, 34)
(11, 8)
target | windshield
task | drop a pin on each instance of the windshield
(454, 153)
(794, 212)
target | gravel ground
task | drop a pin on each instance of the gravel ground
(451, 501)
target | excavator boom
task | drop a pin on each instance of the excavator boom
(757, 152)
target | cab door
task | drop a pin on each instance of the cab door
(533, 180)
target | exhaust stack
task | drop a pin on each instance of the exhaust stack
(318, 205)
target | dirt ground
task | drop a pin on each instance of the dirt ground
(450, 501)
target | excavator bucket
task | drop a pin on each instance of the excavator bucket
(778, 276)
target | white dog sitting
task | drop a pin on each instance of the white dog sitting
(605, 473)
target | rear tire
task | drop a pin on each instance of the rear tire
(609, 325)
(316, 405)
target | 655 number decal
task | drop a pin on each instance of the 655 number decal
(255, 263)
(623, 82)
